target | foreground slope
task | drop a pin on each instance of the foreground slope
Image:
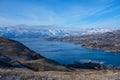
(59, 75)
(14, 54)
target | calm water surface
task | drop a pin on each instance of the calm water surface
(66, 53)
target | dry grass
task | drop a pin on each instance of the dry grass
(57, 75)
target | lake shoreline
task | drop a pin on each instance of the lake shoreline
(69, 53)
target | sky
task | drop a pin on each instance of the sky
(65, 13)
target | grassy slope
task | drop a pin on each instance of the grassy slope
(57, 75)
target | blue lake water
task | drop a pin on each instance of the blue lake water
(67, 53)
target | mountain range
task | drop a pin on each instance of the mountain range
(24, 31)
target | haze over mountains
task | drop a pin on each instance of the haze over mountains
(25, 31)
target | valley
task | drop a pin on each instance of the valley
(17, 60)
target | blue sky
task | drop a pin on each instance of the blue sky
(67, 13)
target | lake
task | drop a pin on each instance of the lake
(67, 53)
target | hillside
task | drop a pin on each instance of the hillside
(15, 55)
(109, 41)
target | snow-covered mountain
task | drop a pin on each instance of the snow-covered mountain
(21, 32)
(96, 31)
(44, 31)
